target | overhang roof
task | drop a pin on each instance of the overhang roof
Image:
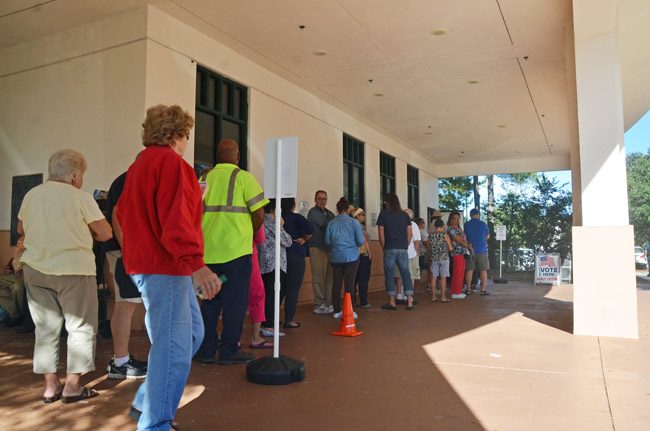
(493, 85)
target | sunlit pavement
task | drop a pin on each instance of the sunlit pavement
(507, 361)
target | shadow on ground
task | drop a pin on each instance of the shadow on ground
(382, 380)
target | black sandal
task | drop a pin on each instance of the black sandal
(484, 293)
(388, 307)
(54, 398)
(84, 395)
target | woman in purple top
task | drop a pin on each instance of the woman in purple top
(300, 230)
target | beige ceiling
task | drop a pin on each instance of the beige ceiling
(493, 86)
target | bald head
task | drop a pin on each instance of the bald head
(228, 152)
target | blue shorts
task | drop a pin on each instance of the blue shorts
(440, 268)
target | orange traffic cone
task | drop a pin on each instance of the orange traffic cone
(348, 328)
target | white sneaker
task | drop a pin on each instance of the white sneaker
(322, 309)
(268, 332)
(340, 313)
(329, 308)
(458, 296)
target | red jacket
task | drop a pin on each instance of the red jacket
(160, 215)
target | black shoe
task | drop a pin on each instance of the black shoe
(24, 329)
(204, 359)
(133, 369)
(135, 414)
(238, 358)
(13, 322)
(400, 301)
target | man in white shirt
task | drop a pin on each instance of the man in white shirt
(414, 264)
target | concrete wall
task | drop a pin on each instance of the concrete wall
(81, 89)
(88, 88)
(278, 108)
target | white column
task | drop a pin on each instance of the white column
(604, 275)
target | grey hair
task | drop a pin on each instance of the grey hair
(65, 163)
(409, 211)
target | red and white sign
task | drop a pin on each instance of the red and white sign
(547, 269)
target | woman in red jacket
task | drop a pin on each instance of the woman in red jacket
(159, 215)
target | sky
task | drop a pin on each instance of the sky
(637, 140)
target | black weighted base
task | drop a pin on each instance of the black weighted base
(500, 281)
(275, 371)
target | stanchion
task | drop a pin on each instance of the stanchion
(500, 280)
(277, 369)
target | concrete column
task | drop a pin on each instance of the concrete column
(604, 275)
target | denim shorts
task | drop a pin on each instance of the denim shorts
(440, 268)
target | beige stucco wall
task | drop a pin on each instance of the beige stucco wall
(88, 88)
(80, 89)
(279, 108)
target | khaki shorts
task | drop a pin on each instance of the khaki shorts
(414, 269)
(478, 262)
(111, 257)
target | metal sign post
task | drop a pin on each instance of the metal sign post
(280, 180)
(501, 236)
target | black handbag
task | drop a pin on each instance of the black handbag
(124, 283)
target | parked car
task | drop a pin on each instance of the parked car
(639, 258)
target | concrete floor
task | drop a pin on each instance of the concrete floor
(507, 361)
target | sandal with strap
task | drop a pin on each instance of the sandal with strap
(53, 398)
(84, 395)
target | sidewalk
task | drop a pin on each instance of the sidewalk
(507, 361)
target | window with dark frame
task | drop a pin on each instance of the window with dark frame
(353, 172)
(386, 174)
(413, 189)
(221, 113)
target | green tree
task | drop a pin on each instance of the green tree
(453, 192)
(539, 220)
(638, 193)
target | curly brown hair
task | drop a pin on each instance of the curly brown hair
(165, 123)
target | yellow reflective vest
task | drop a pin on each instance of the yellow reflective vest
(232, 195)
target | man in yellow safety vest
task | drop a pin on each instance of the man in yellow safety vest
(233, 209)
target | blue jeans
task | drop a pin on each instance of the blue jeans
(175, 329)
(400, 257)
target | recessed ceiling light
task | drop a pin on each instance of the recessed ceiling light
(378, 94)
(501, 126)
(320, 52)
(301, 27)
(428, 127)
(472, 81)
(438, 32)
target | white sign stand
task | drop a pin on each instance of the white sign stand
(280, 181)
(501, 236)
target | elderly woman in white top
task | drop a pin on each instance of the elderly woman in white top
(59, 222)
